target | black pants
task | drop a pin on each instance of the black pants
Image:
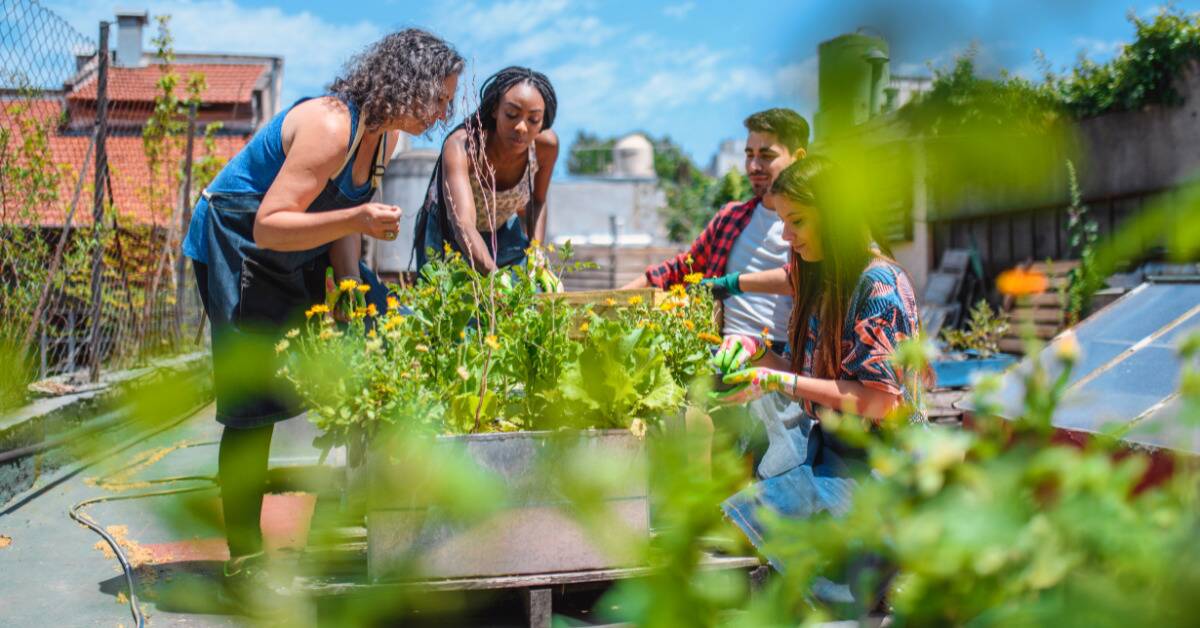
(241, 468)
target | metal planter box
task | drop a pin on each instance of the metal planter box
(535, 532)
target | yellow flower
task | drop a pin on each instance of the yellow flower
(583, 327)
(392, 322)
(635, 299)
(446, 247)
(371, 334)
(363, 288)
(678, 290)
(610, 301)
(320, 308)
(326, 334)
(372, 310)
(690, 325)
(550, 248)
(535, 243)
(707, 337)
(347, 285)
(293, 332)
(688, 259)
(393, 303)
(462, 334)
(282, 346)
(421, 349)
(359, 312)
(669, 305)
(492, 342)
(1019, 282)
(693, 278)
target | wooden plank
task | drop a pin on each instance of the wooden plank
(325, 587)
(1037, 315)
(538, 606)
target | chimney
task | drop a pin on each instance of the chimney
(129, 37)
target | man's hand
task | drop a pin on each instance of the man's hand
(379, 221)
(736, 351)
(724, 286)
(752, 383)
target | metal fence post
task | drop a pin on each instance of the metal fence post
(98, 198)
(184, 221)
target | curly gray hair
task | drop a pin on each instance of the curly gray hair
(401, 74)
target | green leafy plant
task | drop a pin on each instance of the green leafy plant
(982, 334)
(1082, 234)
(462, 352)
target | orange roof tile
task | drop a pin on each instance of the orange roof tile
(227, 83)
(128, 166)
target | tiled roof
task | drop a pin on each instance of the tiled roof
(227, 83)
(127, 164)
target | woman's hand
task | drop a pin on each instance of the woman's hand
(379, 221)
(752, 383)
(736, 351)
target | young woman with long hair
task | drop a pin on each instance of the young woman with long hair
(853, 306)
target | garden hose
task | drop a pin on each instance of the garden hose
(82, 518)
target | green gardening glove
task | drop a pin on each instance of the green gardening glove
(724, 286)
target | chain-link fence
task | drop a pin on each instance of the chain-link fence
(91, 203)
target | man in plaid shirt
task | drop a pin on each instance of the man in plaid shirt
(747, 238)
(777, 138)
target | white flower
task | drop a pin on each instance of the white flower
(282, 346)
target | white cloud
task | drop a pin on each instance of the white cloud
(1099, 48)
(679, 11)
(797, 81)
(497, 21)
(586, 32)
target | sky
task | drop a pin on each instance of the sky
(687, 69)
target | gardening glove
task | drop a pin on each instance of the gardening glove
(752, 383)
(724, 286)
(736, 351)
(546, 281)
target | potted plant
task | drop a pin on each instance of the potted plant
(467, 375)
(974, 349)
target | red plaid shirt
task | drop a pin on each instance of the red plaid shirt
(710, 252)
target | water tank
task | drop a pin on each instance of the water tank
(852, 73)
(633, 157)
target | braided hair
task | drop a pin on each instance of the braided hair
(498, 84)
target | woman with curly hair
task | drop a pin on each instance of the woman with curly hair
(494, 175)
(297, 196)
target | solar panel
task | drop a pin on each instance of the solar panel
(1129, 369)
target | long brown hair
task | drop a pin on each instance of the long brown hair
(826, 287)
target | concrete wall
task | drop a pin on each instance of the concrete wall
(580, 210)
(1152, 149)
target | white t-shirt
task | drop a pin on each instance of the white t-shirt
(760, 246)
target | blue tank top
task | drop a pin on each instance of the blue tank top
(254, 168)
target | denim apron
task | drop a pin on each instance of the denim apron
(434, 231)
(255, 295)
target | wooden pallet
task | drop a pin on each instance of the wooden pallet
(1045, 313)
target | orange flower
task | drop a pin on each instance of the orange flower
(713, 338)
(1019, 282)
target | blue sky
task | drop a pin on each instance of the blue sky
(688, 69)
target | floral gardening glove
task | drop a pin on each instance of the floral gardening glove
(752, 383)
(736, 351)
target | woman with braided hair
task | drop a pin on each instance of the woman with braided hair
(487, 196)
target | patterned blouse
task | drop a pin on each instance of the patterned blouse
(882, 314)
(505, 203)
